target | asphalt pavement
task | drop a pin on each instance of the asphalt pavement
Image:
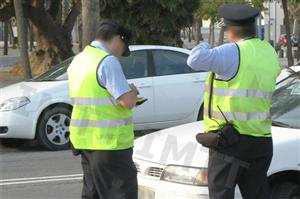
(29, 172)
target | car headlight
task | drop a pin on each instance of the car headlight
(185, 175)
(14, 103)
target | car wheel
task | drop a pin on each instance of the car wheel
(286, 190)
(53, 128)
(200, 113)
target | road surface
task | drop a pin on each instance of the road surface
(31, 173)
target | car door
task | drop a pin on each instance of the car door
(178, 90)
(136, 70)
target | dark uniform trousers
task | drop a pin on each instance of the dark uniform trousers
(108, 175)
(224, 174)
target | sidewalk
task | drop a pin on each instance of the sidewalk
(10, 59)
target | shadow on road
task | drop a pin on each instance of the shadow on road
(15, 145)
(19, 145)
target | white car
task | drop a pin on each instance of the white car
(40, 108)
(171, 164)
(286, 73)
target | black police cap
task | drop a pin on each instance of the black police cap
(238, 14)
(116, 29)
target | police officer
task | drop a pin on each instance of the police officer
(241, 81)
(101, 123)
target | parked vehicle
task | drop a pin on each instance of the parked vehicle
(40, 108)
(171, 164)
(282, 41)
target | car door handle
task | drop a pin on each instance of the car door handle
(143, 85)
(197, 80)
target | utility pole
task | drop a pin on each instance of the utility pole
(288, 33)
(269, 22)
(22, 37)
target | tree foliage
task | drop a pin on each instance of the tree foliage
(152, 21)
(208, 9)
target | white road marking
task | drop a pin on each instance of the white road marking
(16, 181)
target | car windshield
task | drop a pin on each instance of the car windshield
(56, 73)
(285, 109)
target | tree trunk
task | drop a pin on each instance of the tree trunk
(189, 34)
(213, 34)
(79, 22)
(46, 54)
(296, 32)
(5, 38)
(22, 37)
(288, 33)
(90, 18)
(210, 33)
(31, 39)
(179, 42)
(52, 35)
(198, 31)
(193, 32)
(221, 35)
(211, 37)
(13, 39)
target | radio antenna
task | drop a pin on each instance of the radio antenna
(223, 114)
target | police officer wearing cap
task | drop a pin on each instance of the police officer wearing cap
(237, 104)
(101, 127)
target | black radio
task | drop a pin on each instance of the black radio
(222, 138)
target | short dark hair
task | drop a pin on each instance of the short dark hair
(245, 31)
(107, 29)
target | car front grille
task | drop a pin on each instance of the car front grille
(154, 171)
(137, 166)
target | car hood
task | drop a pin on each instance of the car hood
(27, 89)
(178, 145)
(175, 145)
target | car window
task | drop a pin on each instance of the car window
(58, 72)
(286, 104)
(169, 62)
(136, 65)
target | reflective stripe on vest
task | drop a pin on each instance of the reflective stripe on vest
(238, 116)
(101, 123)
(93, 101)
(240, 92)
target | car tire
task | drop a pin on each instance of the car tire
(53, 128)
(286, 190)
(200, 113)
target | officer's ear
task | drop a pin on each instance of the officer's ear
(231, 34)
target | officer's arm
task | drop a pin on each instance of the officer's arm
(222, 60)
(111, 76)
(128, 100)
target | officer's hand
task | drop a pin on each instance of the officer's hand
(134, 88)
(129, 99)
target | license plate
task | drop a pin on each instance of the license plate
(146, 193)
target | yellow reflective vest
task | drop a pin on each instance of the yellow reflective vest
(244, 99)
(97, 121)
